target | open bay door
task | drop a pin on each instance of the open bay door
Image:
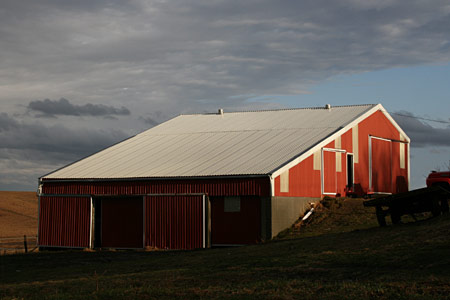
(118, 222)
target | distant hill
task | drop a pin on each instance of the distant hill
(18, 214)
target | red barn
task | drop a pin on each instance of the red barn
(222, 178)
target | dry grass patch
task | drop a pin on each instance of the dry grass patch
(18, 214)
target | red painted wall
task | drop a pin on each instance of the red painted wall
(304, 181)
(378, 125)
(64, 221)
(259, 186)
(381, 165)
(174, 222)
(243, 227)
(170, 231)
(400, 176)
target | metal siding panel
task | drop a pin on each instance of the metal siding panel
(212, 187)
(381, 166)
(304, 181)
(377, 125)
(174, 222)
(65, 221)
(243, 227)
(341, 177)
(399, 174)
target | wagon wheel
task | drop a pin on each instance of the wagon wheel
(444, 205)
(395, 217)
(435, 207)
(380, 216)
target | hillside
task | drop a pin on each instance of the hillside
(407, 261)
(18, 214)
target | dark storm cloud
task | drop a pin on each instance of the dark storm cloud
(29, 150)
(64, 107)
(149, 121)
(6, 122)
(422, 134)
(51, 143)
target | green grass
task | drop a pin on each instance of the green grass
(323, 260)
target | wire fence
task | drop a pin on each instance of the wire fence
(22, 244)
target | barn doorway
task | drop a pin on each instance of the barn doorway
(350, 171)
(118, 222)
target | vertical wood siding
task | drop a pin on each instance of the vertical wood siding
(64, 221)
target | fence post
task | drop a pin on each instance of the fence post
(25, 243)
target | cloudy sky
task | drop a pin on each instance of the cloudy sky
(77, 76)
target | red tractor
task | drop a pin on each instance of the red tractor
(439, 178)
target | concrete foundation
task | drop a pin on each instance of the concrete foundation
(286, 210)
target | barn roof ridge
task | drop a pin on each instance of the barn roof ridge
(279, 109)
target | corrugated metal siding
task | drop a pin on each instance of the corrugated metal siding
(399, 175)
(215, 145)
(304, 181)
(212, 187)
(381, 166)
(64, 221)
(174, 222)
(242, 227)
(377, 125)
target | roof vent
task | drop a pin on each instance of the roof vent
(328, 106)
(220, 112)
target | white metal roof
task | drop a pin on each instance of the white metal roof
(235, 143)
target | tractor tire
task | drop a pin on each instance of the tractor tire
(444, 206)
(395, 218)
(435, 208)
(380, 216)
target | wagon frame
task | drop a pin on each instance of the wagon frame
(431, 199)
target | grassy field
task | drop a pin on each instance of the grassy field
(350, 259)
